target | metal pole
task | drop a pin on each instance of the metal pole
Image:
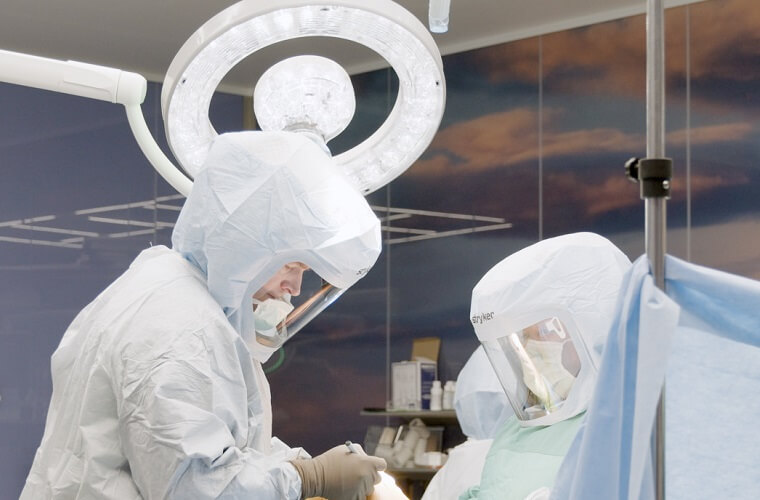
(655, 207)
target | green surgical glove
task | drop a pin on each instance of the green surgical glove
(338, 474)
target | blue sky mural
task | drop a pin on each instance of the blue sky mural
(507, 141)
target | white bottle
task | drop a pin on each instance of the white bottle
(436, 396)
(448, 395)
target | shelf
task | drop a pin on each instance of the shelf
(428, 416)
(441, 421)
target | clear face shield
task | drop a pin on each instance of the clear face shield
(289, 301)
(537, 365)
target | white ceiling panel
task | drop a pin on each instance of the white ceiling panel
(143, 35)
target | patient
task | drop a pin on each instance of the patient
(542, 315)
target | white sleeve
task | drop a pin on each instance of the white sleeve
(187, 418)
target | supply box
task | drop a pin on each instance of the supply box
(411, 382)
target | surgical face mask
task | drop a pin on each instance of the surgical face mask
(269, 320)
(547, 358)
(269, 313)
(259, 327)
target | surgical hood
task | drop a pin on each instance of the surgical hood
(263, 200)
(542, 315)
(479, 401)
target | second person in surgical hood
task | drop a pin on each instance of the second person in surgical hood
(542, 315)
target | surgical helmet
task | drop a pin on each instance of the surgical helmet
(267, 199)
(480, 403)
(543, 315)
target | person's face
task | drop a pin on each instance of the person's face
(286, 280)
(570, 358)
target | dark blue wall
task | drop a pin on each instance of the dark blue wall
(60, 154)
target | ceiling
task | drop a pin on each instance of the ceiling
(144, 35)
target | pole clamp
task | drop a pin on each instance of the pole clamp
(652, 174)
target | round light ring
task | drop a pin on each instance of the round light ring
(250, 25)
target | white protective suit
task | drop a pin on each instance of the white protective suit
(482, 408)
(155, 393)
(561, 292)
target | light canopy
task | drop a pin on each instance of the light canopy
(308, 94)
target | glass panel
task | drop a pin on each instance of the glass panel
(86, 202)
(479, 175)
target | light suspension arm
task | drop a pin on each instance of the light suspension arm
(94, 82)
(72, 77)
(150, 149)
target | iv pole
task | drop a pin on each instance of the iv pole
(655, 208)
(653, 174)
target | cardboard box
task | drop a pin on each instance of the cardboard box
(426, 349)
(411, 382)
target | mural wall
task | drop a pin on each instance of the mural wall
(535, 134)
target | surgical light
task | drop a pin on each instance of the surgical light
(306, 94)
(240, 30)
(250, 25)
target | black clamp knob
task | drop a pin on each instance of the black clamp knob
(652, 174)
(632, 169)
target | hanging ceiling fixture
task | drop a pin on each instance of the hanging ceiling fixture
(310, 95)
(250, 25)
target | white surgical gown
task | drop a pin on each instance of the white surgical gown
(461, 471)
(155, 395)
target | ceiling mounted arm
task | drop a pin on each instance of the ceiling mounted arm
(94, 82)
(152, 151)
(72, 77)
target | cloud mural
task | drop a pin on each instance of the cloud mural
(610, 58)
(502, 147)
(484, 160)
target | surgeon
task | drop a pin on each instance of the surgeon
(542, 316)
(158, 389)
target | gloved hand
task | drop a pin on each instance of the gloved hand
(338, 474)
